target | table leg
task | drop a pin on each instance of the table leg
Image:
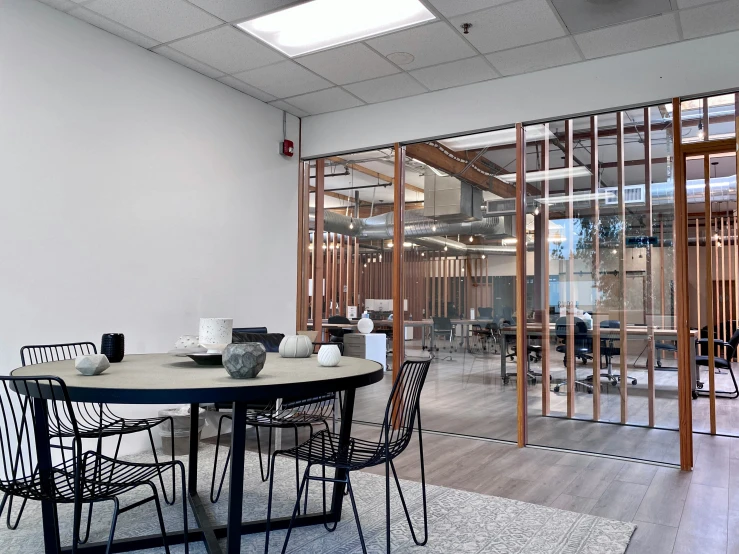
(236, 486)
(344, 435)
(192, 470)
(43, 453)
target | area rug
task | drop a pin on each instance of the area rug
(460, 522)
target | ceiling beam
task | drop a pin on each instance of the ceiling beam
(340, 196)
(361, 169)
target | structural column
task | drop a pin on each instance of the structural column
(521, 331)
(398, 251)
(318, 252)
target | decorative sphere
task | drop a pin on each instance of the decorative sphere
(365, 325)
(244, 360)
(91, 364)
(329, 355)
(296, 346)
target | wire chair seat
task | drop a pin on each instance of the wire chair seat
(98, 421)
(101, 477)
(322, 449)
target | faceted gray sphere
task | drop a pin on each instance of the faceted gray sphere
(244, 360)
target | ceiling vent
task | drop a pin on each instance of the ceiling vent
(633, 194)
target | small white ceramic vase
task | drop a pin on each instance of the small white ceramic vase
(365, 325)
(187, 341)
(329, 355)
(296, 346)
(215, 333)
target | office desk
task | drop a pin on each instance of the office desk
(634, 332)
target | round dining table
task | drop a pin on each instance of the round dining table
(167, 379)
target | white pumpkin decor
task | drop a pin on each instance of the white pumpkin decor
(296, 346)
(329, 355)
(365, 325)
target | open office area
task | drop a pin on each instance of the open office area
(337, 276)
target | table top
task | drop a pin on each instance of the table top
(167, 379)
(634, 330)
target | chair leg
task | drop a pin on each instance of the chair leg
(297, 471)
(269, 503)
(295, 509)
(184, 505)
(158, 505)
(356, 514)
(12, 525)
(159, 471)
(259, 453)
(214, 498)
(113, 523)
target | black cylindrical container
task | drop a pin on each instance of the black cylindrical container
(113, 346)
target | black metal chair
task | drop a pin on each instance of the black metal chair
(291, 413)
(79, 478)
(322, 449)
(583, 346)
(720, 363)
(94, 421)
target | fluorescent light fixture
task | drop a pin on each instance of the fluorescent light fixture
(579, 197)
(537, 176)
(496, 138)
(322, 24)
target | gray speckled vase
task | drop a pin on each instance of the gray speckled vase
(244, 360)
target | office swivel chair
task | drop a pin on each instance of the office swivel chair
(608, 350)
(729, 351)
(443, 328)
(336, 335)
(485, 313)
(583, 347)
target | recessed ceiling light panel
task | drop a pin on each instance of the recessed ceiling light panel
(321, 24)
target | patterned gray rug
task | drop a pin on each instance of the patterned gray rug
(459, 522)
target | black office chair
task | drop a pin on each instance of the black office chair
(336, 335)
(443, 328)
(78, 477)
(402, 411)
(608, 350)
(94, 421)
(485, 313)
(583, 346)
(729, 351)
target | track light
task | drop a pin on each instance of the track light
(701, 132)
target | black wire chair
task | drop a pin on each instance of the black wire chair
(291, 413)
(76, 479)
(397, 428)
(94, 421)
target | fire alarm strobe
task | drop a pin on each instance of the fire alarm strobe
(287, 148)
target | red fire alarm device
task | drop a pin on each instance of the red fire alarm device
(287, 148)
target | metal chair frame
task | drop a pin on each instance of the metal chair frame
(402, 412)
(730, 349)
(31, 406)
(94, 421)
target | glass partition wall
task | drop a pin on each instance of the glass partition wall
(598, 231)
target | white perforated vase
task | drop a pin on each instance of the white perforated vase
(329, 355)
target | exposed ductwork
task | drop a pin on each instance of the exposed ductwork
(380, 227)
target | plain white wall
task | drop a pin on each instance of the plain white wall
(680, 69)
(137, 195)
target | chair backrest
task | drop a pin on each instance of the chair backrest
(259, 330)
(340, 319)
(734, 342)
(403, 405)
(610, 324)
(442, 324)
(580, 331)
(42, 353)
(21, 424)
(485, 313)
(270, 341)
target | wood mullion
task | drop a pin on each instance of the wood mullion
(710, 314)
(318, 251)
(521, 327)
(594, 186)
(569, 209)
(623, 337)
(648, 306)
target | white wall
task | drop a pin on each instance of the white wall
(137, 195)
(681, 69)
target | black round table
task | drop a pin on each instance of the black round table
(166, 379)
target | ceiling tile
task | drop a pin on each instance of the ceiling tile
(163, 20)
(710, 20)
(187, 61)
(233, 82)
(451, 8)
(62, 5)
(329, 100)
(511, 25)
(282, 105)
(586, 15)
(239, 10)
(535, 56)
(429, 44)
(454, 74)
(629, 37)
(112, 27)
(386, 88)
(348, 64)
(227, 49)
(284, 79)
